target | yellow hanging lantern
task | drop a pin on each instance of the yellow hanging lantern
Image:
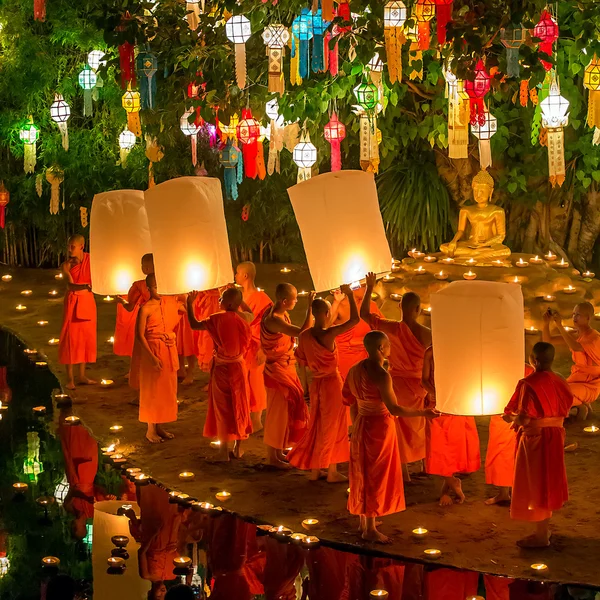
(276, 37)
(458, 116)
(415, 54)
(132, 103)
(54, 176)
(394, 17)
(591, 80)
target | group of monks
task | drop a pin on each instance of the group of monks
(382, 369)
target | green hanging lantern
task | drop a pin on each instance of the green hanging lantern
(367, 96)
(87, 80)
(29, 135)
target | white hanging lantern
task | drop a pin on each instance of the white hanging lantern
(95, 59)
(60, 112)
(394, 17)
(555, 116)
(190, 129)
(127, 141)
(274, 135)
(305, 156)
(484, 133)
(276, 38)
(238, 31)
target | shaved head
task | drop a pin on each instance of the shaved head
(249, 268)
(543, 354)
(410, 302)
(147, 264)
(586, 309)
(374, 340)
(231, 298)
(77, 239)
(285, 291)
(320, 307)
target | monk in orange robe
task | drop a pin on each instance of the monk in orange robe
(128, 308)
(584, 379)
(376, 487)
(500, 455)
(155, 331)
(452, 442)
(207, 303)
(538, 408)
(325, 443)
(287, 413)
(77, 344)
(228, 414)
(409, 341)
(259, 303)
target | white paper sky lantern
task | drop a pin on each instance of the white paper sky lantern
(119, 237)
(341, 227)
(190, 244)
(478, 346)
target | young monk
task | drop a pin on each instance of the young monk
(325, 443)
(287, 413)
(452, 442)
(584, 379)
(409, 341)
(228, 414)
(127, 310)
(376, 487)
(538, 408)
(259, 303)
(77, 344)
(155, 331)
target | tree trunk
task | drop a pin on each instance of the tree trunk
(590, 227)
(574, 233)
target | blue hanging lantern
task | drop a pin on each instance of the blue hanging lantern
(147, 65)
(319, 27)
(230, 159)
(302, 30)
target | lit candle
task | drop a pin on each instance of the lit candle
(120, 541)
(204, 507)
(498, 263)
(58, 276)
(182, 562)
(396, 297)
(41, 363)
(215, 444)
(133, 471)
(470, 275)
(21, 307)
(536, 260)
(389, 279)
(550, 257)
(569, 290)
(50, 561)
(20, 488)
(311, 541)
(39, 410)
(310, 524)
(531, 329)
(186, 476)
(441, 275)
(260, 289)
(588, 275)
(116, 428)
(72, 420)
(448, 260)
(53, 341)
(142, 479)
(427, 310)
(118, 458)
(26, 293)
(116, 562)
(285, 270)
(549, 298)
(223, 496)
(288, 449)
(45, 500)
(515, 280)
(30, 351)
(567, 328)
(591, 429)
(106, 382)
(420, 532)
(418, 255)
(42, 323)
(53, 293)
(420, 271)
(61, 397)
(597, 315)
(432, 553)
(430, 259)
(297, 538)
(521, 263)
(6, 278)
(563, 264)
(108, 298)
(539, 567)
(379, 594)
(303, 293)
(111, 339)
(108, 450)
(411, 252)
(471, 262)
(281, 531)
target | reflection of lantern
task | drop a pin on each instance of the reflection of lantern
(547, 31)
(477, 89)
(238, 31)
(132, 103)
(302, 33)
(147, 65)
(119, 237)
(87, 81)
(394, 17)
(29, 135)
(229, 158)
(340, 249)
(443, 15)
(478, 347)
(555, 116)
(191, 130)
(334, 133)
(198, 257)
(484, 132)
(424, 10)
(512, 38)
(591, 80)
(126, 143)
(248, 132)
(4, 200)
(276, 38)
(60, 112)
(305, 156)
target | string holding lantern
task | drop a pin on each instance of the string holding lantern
(423, 12)
(126, 55)
(275, 136)
(39, 10)
(477, 89)
(458, 115)
(335, 132)
(193, 13)
(591, 81)
(547, 31)
(127, 141)
(87, 81)
(4, 200)
(55, 176)
(191, 130)
(276, 37)
(147, 65)
(229, 156)
(319, 28)
(302, 33)
(443, 16)
(248, 132)
(394, 17)
(555, 116)
(60, 112)
(484, 132)
(238, 30)
(512, 39)
(132, 103)
(305, 156)
(29, 135)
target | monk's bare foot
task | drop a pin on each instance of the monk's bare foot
(456, 487)
(87, 381)
(256, 422)
(406, 474)
(154, 438)
(534, 541)
(362, 525)
(237, 451)
(188, 380)
(572, 447)
(336, 478)
(70, 385)
(164, 434)
(315, 475)
(279, 464)
(501, 498)
(446, 500)
(582, 412)
(375, 536)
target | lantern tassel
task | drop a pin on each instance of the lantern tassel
(415, 57)
(424, 35)
(148, 91)
(276, 78)
(513, 68)
(260, 161)
(83, 213)
(556, 156)
(443, 14)
(2, 216)
(249, 152)
(38, 185)
(231, 191)
(333, 59)
(134, 124)
(596, 138)
(458, 124)
(336, 156)
(30, 157)
(327, 8)
(593, 115)
(88, 103)
(194, 142)
(54, 177)
(240, 65)
(124, 153)
(193, 15)
(39, 10)
(99, 85)
(485, 154)
(240, 166)
(127, 64)
(295, 78)
(304, 58)
(64, 134)
(318, 54)
(394, 39)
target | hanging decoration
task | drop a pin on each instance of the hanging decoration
(95, 58)
(335, 132)
(248, 132)
(261, 168)
(4, 200)
(154, 154)
(230, 157)
(230, 131)
(484, 132)
(126, 56)
(238, 30)
(375, 68)
(39, 10)
(338, 29)
(367, 97)
(245, 212)
(55, 176)
(276, 38)
(537, 132)
(193, 13)
(555, 116)
(60, 112)
(458, 116)
(302, 33)
(394, 17)
(83, 213)
(275, 136)
(591, 80)
(326, 8)
(29, 135)
(190, 129)
(546, 31)
(147, 65)
(477, 89)
(305, 156)
(415, 54)
(127, 141)
(424, 11)
(319, 28)
(87, 81)
(512, 39)
(131, 102)
(39, 178)
(443, 16)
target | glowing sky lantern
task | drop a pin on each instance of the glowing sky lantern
(119, 237)
(478, 346)
(341, 227)
(190, 244)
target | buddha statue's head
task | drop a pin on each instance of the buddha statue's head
(483, 187)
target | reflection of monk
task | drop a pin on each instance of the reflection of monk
(283, 564)
(330, 574)
(450, 584)
(497, 588)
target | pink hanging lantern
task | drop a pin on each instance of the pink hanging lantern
(335, 132)
(547, 31)
(477, 89)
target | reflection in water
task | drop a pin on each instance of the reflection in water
(162, 547)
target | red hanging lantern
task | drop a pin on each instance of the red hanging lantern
(4, 200)
(193, 91)
(547, 31)
(424, 11)
(443, 14)
(248, 132)
(39, 10)
(477, 89)
(126, 56)
(334, 133)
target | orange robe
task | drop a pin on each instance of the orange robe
(376, 487)
(185, 337)
(326, 439)
(125, 327)
(366, 573)
(328, 573)
(497, 588)
(206, 304)
(450, 584)
(228, 414)
(584, 379)
(283, 565)
(158, 389)
(287, 413)
(540, 482)
(78, 334)
(406, 369)
(258, 303)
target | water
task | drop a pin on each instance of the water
(77, 500)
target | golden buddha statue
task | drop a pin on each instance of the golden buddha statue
(487, 225)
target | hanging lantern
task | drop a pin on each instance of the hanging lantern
(335, 132)
(87, 81)
(302, 31)
(591, 80)
(229, 158)
(443, 15)
(248, 132)
(147, 65)
(367, 96)
(238, 31)
(131, 102)
(230, 131)
(193, 13)
(275, 136)
(4, 200)
(60, 112)
(477, 89)
(415, 54)
(190, 129)
(29, 135)
(54, 176)
(458, 116)
(126, 55)
(555, 116)
(154, 154)
(484, 132)
(424, 11)
(319, 27)
(83, 215)
(375, 67)
(39, 10)
(305, 156)
(512, 39)
(276, 38)
(546, 31)
(127, 141)
(394, 17)
(95, 59)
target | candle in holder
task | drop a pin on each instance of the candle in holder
(120, 541)
(418, 255)
(588, 275)
(419, 532)
(550, 257)
(396, 297)
(536, 260)
(389, 279)
(41, 363)
(50, 561)
(569, 290)
(72, 420)
(58, 276)
(498, 263)
(539, 567)
(471, 262)
(427, 310)
(297, 538)
(563, 264)
(532, 330)
(133, 471)
(470, 275)
(108, 298)
(21, 307)
(26, 292)
(310, 524)
(53, 341)
(285, 270)
(20, 488)
(39, 410)
(182, 562)
(186, 476)
(116, 428)
(29, 351)
(441, 275)
(516, 280)
(42, 323)
(448, 260)
(204, 507)
(116, 562)
(53, 293)
(215, 444)
(521, 263)
(118, 458)
(549, 298)
(432, 553)
(420, 271)
(108, 450)
(281, 532)
(411, 252)
(430, 259)
(7, 278)
(567, 328)
(311, 541)
(142, 479)
(379, 594)
(111, 340)
(106, 382)
(591, 429)
(223, 496)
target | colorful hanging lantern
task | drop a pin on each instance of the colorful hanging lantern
(276, 38)
(126, 55)
(127, 141)
(367, 96)
(95, 59)
(55, 176)
(132, 103)
(302, 32)
(191, 130)
(147, 65)
(39, 10)
(60, 112)
(229, 158)
(555, 116)
(87, 81)
(275, 136)
(4, 200)
(29, 135)
(484, 132)
(458, 116)
(443, 15)
(319, 28)
(477, 89)
(424, 11)
(83, 214)
(591, 80)
(394, 17)
(512, 39)
(415, 54)
(238, 31)
(193, 13)
(154, 154)
(248, 132)
(370, 138)
(375, 67)
(546, 31)
(305, 156)
(335, 132)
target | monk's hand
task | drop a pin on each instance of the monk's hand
(371, 279)
(311, 298)
(557, 318)
(191, 297)
(547, 316)
(338, 296)
(346, 289)
(157, 363)
(121, 300)
(431, 413)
